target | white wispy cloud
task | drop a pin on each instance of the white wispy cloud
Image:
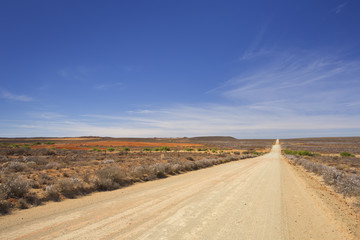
(308, 82)
(45, 115)
(339, 7)
(103, 86)
(254, 50)
(294, 94)
(15, 97)
(197, 120)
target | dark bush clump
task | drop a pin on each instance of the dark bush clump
(346, 154)
(299, 153)
(165, 149)
(5, 206)
(110, 149)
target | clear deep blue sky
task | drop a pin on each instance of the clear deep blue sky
(249, 69)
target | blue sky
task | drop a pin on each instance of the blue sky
(248, 69)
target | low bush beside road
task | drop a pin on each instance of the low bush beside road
(38, 175)
(299, 152)
(346, 184)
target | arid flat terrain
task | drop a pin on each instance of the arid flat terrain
(37, 170)
(324, 145)
(258, 198)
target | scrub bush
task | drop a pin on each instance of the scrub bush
(346, 154)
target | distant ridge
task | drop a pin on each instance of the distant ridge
(213, 138)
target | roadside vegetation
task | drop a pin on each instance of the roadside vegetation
(334, 159)
(346, 184)
(346, 154)
(298, 153)
(30, 177)
(324, 146)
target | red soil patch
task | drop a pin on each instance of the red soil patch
(90, 145)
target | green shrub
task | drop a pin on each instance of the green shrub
(50, 143)
(36, 143)
(289, 152)
(96, 149)
(156, 149)
(126, 149)
(147, 149)
(346, 154)
(165, 149)
(300, 153)
(305, 153)
(110, 149)
(189, 149)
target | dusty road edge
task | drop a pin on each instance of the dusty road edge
(338, 207)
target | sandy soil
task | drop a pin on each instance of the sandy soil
(259, 198)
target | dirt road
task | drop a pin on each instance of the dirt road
(260, 198)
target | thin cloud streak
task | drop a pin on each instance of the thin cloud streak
(292, 95)
(340, 7)
(45, 115)
(104, 86)
(11, 96)
(241, 122)
(307, 83)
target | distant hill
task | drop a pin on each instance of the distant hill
(213, 138)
